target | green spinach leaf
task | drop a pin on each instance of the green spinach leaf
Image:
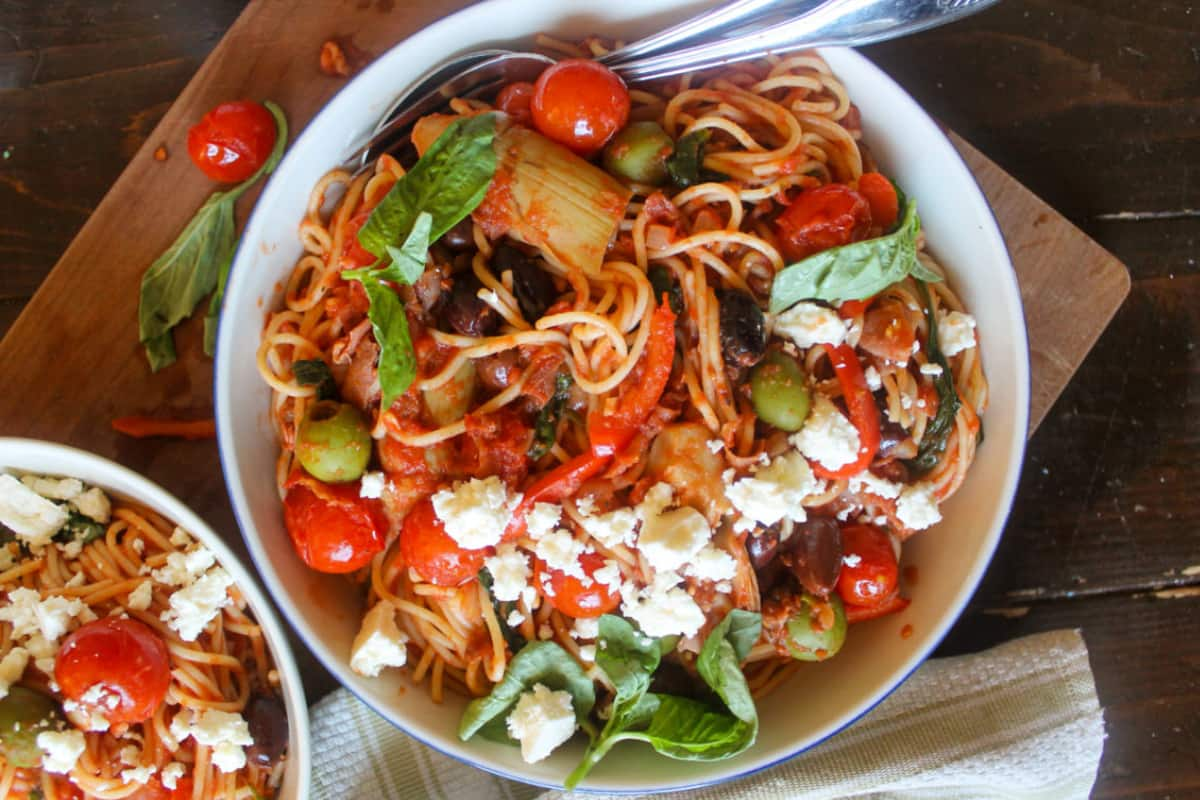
(448, 181)
(545, 429)
(937, 431)
(720, 661)
(546, 663)
(196, 263)
(854, 271)
(662, 283)
(690, 730)
(79, 528)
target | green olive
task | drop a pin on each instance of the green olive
(333, 442)
(24, 714)
(818, 628)
(779, 391)
(639, 153)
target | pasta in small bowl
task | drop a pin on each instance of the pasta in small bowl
(138, 659)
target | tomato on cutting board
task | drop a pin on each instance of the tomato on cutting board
(232, 141)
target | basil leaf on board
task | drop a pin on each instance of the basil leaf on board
(546, 663)
(686, 164)
(448, 181)
(854, 271)
(397, 361)
(315, 372)
(937, 431)
(545, 429)
(196, 263)
(407, 261)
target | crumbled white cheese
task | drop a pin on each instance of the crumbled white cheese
(542, 519)
(94, 504)
(956, 332)
(30, 516)
(917, 507)
(560, 551)
(874, 382)
(86, 716)
(657, 499)
(931, 369)
(226, 732)
(541, 720)
(12, 667)
(715, 446)
(615, 528)
(61, 749)
(662, 608)
(827, 436)
(139, 599)
(171, 774)
(183, 568)
(586, 505)
(180, 537)
(71, 549)
(712, 564)
(30, 615)
(54, 488)
(194, 606)
(371, 485)
(138, 775)
(776, 491)
(588, 652)
(586, 628)
(476, 512)
(809, 324)
(510, 572)
(514, 618)
(609, 575)
(869, 482)
(379, 643)
(671, 538)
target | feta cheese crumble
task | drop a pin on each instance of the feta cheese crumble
(809, 324)
(61, 749)
(476, 512)
(31, 616)
(30, 516)
(94, 504)
(54, 488)
(827, 436)
(227, 733)
(371, 485)
(183, 568)
(917, 507)
(874, 381)
(541, 720)
(542, 519)
(956, 332)
(662, 608)
(139, 599)
(171, 774)
(711, 564)
(776, 491)
(671, 538)
(869, 482)
(561, 551)
(379, 643)
(195, 605)
(510, 572)
(615, 528)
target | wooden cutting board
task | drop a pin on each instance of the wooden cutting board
(72, 361)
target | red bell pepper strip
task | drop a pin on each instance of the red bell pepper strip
(892, 605)
(557, 484)
(611, 432)
(864, 414)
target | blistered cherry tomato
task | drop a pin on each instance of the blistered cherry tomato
(821, 218)
(580, 104)
(870, 574)
(568, 594)
(332, 528)
(881, 196)
(232, 141)
(515, 100)
(125, 658)
(426, 547)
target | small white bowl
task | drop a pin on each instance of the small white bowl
(821, 699)
(47, 458)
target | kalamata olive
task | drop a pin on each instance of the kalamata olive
(639, 153)
(813, 553)
(466, 313)
(743, 335)
(498, 370)
(761, 546)
(894, 471)
(817, 630)
(461, 237)
(24, 714)
(267, 719)
(532, 285)
(779, 391)
(333, 442)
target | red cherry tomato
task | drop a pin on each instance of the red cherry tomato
(331, 527)
(426, 547)
(568, 593)
(821, 218)
(232, 141)
(580, 104)
(872, 578)
(125, 658)
(154, 790)
(881, 196)
(515, 100)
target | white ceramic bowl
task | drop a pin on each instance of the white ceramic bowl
(820, 700)
(46, 458)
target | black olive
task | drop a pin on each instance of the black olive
(461, 237)
(466, 313)
(268, 724)
(743, 335)
(532, 285)
(761, 546)
(814, 554)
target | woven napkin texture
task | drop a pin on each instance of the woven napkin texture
(1021, 720)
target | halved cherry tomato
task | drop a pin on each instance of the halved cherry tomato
(125, 658)
(870, 574)
(609, 433)
(332, 528)
(864, 414)
(154, 790)
(887, 331)
(881, 196)
(232, 141)
(354, 255)
(515, 100)
(580, 104)
(426, 547)
(569, 595)
(818, 219)
(890, 605)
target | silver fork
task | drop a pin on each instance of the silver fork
(757, 32)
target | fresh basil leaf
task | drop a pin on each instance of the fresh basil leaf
(854, 271)
(720, 661)
(690, 730)
(545, 428)
(79, 528)
(449, 181)
(315, 372)
(407, 261)
(546, 663)
(686, 164)
(937, 431)
(196, 263)
(397, 361)
(662, 283)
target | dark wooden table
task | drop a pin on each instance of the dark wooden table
(1096, 107)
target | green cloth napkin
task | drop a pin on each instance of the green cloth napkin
(1018, 721)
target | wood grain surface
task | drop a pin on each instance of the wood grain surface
(1094, 107)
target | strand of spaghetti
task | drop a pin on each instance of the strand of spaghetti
(586, 319)
(706, 238)
(496, 671)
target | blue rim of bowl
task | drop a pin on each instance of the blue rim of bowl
(336, 668)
